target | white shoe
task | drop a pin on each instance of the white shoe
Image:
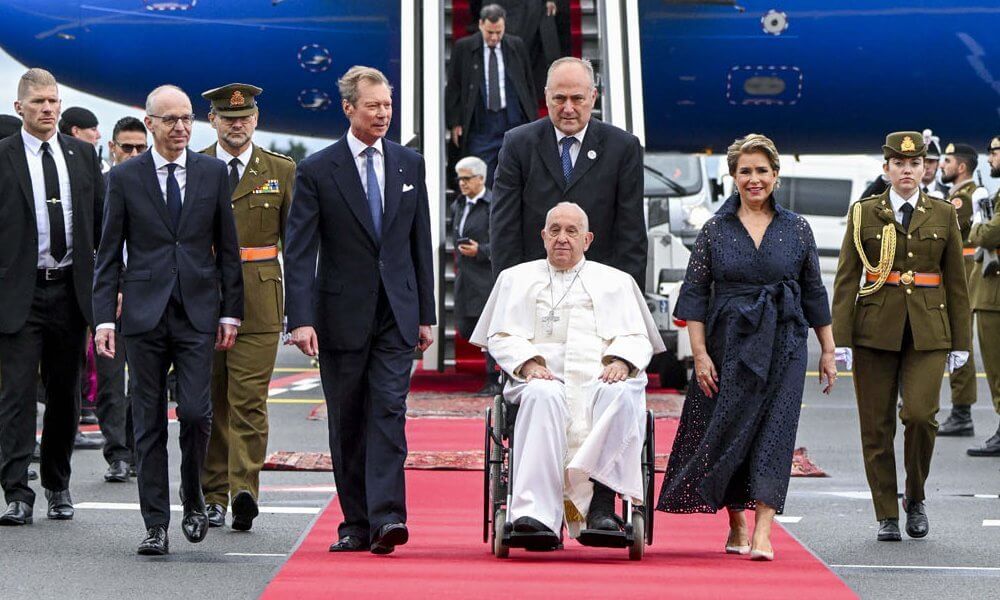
(761, 555)
(738, 549)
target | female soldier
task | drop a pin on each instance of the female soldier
(901, 308)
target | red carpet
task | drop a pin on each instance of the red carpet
(446, 558)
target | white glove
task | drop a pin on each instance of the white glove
(957, 359)
(845, 356)
(977, 217)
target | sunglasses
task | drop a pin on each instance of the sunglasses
(132, 148)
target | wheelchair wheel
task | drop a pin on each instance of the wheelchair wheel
(487, 484)
(649, 470)
(500, 549)
(638, 547)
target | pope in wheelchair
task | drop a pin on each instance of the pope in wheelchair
(574, 338)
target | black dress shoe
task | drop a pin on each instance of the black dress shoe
(156, 542)
(530, 525)
(244, 511)
(958, 423)
(490, 388)
(36, 454)
(216, 515)
(88, 416)
(888, 530)
(990, 448)
(388, 537)
(132, 472)
(117, 472)
(17, 513)
(601, 515)
(32, 475)
(917, 525)
(349, 543)
(88, 442)
(60, 505)
(194, 524)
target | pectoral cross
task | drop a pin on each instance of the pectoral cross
(550, 320)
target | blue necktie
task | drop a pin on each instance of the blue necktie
(567, 160)
(173, 196)
(373, 193)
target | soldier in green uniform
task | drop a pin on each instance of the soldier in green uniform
(901, 311)
(959, 164)
(260, 182)
(984, 289)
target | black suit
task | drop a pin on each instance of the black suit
(176, 286)
(43, 323)
(473, 274)
(466, 98)
(606, 182)
(365, 300)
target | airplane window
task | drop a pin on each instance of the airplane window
(681, 169)
(814, 196)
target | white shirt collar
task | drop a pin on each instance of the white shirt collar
(578, 135)
(486, 47)
(358, 147)
(226, 157)
(572, 271)
(898, 201)
(34, 145)
(478, 196)
(159, 162)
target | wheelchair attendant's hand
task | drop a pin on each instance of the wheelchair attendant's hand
(305, 339)
(614, 371)
(706, 375)
(533, 370)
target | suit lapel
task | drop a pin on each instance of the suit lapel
(593, 143)
(349, 181)
(20, 162)
(254, 175)
(884, 211)
(194, 176)
(549, 153)
(394, 179)
(153, 192)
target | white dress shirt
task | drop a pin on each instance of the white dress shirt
(33, 152)
(469, 203)
(501, 74)
(226, 157)
(574, 152)
(361, 162)
(898, 202)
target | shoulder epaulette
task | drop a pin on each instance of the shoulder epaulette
(278, 154)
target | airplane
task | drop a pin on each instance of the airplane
(826, 77)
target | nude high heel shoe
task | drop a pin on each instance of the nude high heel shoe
(734, 549)
(761, 555)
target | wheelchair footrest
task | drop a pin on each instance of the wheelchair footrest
(536, 541)
(598, 538)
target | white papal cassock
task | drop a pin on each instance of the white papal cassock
(577, 428)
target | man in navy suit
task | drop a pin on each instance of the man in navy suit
(172, 208)
(361, 205)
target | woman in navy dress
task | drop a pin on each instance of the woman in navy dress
(751, 293)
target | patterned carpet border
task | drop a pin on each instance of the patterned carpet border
(472, 460)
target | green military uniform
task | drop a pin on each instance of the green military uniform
(963, 380)
(241, 375)
(900, 334)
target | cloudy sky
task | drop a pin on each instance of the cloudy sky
(108, 112)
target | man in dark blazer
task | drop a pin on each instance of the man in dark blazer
(470, 221)
(478, 113)
(361, 205)
(172, 208)
(569, 157)
(51, 195)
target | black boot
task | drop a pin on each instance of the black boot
(958, 423)
(601, 515)
(990, 447)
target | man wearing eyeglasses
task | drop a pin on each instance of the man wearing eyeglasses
(182, 294)
(260, 186)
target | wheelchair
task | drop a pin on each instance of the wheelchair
(498, 530)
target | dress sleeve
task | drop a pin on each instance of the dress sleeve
(696, 291)
(815, 303)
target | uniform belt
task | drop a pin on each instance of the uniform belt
(259, 253)
(908, 278)
(52, 274)
(968, 251)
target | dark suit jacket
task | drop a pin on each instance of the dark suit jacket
(474, 275)
(19, 231)
(466, 88)
(330, 216)
(529, 181)
(523, 17)
(203, 254)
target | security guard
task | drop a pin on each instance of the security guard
(959, 164)
(901, 308)
(984, 289)
(260, 182)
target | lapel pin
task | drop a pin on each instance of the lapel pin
(257, 161)
(252, 171)
(592, 155)
(70, 152)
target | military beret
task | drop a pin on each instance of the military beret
(994, 144)
(9, 125)
(76, 116)
(961, 150)
(233, 100)
(907, 144)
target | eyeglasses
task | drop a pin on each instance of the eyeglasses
(571, 232)
(171, 120)
(131, 148)
(468, 177)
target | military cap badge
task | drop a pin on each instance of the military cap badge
(237, 99)
(907, 145)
